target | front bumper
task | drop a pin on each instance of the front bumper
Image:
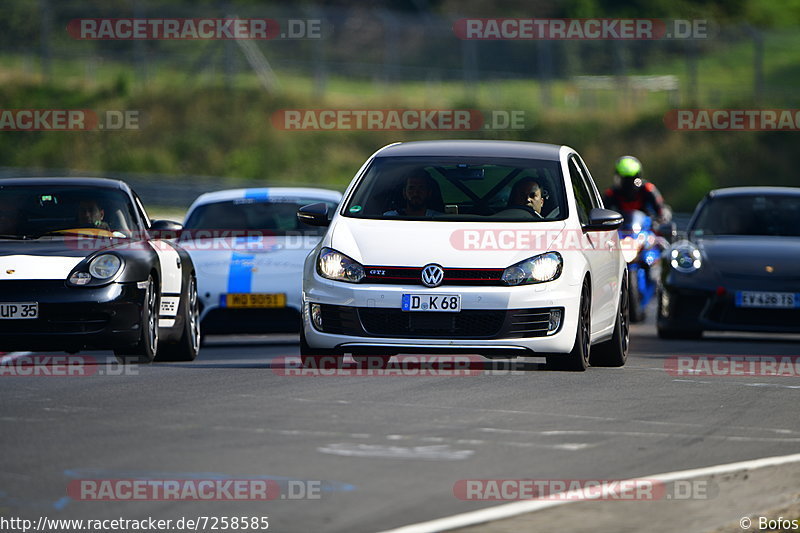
(685, 306)
(72, 319)
(368, 319)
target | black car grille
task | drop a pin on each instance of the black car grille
(452, 276)
(466, 324)
(742, 316)
(531, 322)
(56, 324)
(397, 323)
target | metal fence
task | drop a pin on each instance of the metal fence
(380, 47)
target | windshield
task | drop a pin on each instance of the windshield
(53, 210)
(768, 215)
(464, 189)
(273, 215)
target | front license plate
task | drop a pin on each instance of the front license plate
(771, 300)
(448, 303)
(19, 310)
(255, 300)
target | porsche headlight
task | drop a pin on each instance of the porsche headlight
(685, 257)
(105, 266)
(537, 269)
(337, 266)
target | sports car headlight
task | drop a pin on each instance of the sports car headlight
(630, 248)
(337, 266)
(105, 266)
(537, 269)
(685, 257)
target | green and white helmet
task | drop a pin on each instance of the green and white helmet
(628, 167)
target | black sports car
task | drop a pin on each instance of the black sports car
(739, 267)
(81, 267)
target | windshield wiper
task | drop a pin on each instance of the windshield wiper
(16, 237)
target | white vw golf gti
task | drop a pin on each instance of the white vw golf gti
(496, 248)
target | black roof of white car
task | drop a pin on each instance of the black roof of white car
(466, 148)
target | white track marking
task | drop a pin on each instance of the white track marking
(426, 453)
(736, 438)
(517, 508)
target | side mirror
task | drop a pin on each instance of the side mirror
(603, 220)
(314, 214)
(165, 225)
(165, 229)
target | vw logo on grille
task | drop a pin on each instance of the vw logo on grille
(432, 275)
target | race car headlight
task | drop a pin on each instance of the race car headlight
(80, 278)
(337, 266)
(105, 266)
(537, 269)
(630, 248)
(685, 257)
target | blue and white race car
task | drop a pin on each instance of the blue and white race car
(248, 249)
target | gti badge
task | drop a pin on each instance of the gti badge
(432, 275)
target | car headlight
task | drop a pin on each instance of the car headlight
(630, 248)
(105, 266)
(536, 269)
(337, 266)
(685, 257)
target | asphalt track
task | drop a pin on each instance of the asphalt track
(381, 452)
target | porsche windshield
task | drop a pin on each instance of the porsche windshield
(757, 214)
(463, 189)
(62, 210)
(277, 216)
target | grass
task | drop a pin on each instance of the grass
(195, 126)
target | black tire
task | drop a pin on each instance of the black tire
(146, 349)
(188, 346)
(637, 313)
(679, 334)
(578, 359)
(614, 352)
(372, 361)
(318, 357)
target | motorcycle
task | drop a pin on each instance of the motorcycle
(641, 249)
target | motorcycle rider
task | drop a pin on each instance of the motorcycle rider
(631, 192)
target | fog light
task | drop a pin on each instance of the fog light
(555, 321)
(80, 278)
(316, 316)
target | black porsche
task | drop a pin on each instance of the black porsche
(83, 267)
(738, 268)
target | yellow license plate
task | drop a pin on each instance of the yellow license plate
(255, 300)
